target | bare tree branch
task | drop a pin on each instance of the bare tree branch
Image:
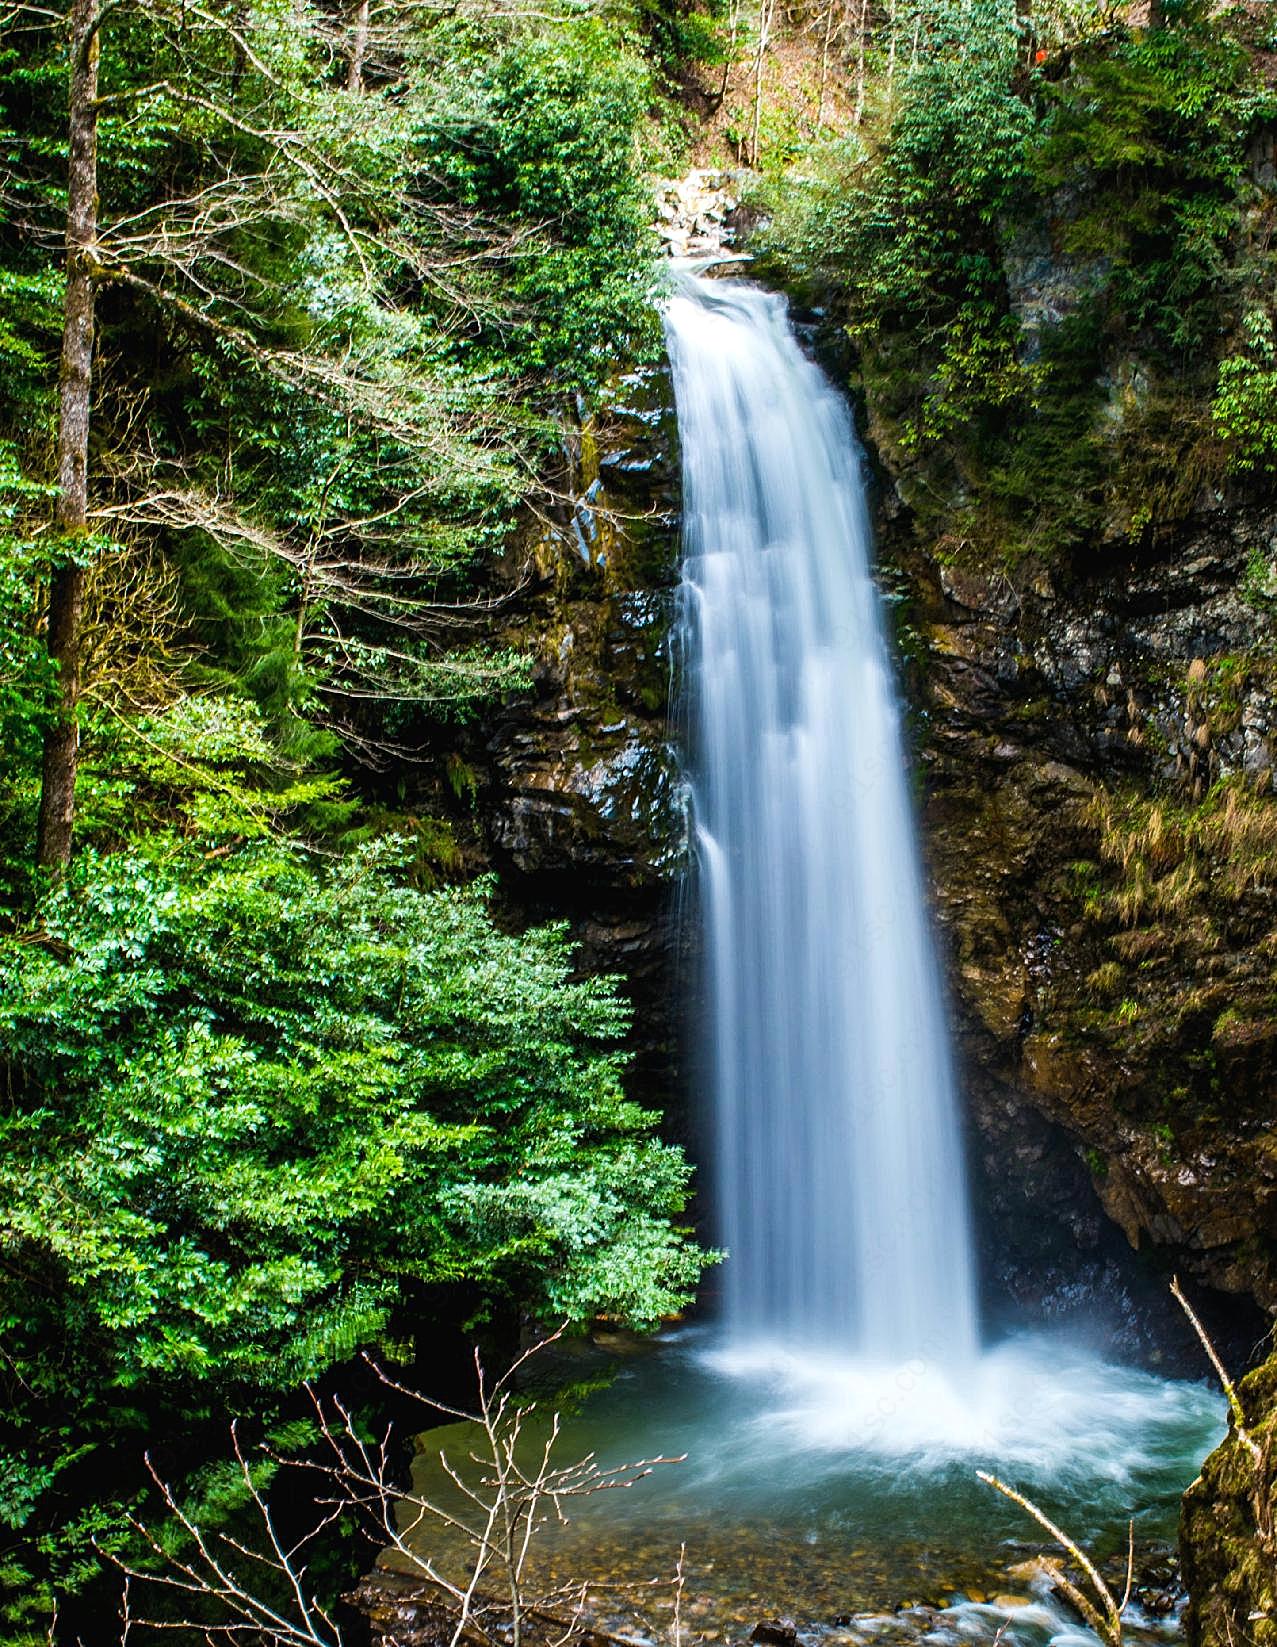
(241, 1593)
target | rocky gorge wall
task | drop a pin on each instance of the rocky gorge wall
(1097, 758)
(1096, 738)
(572, 790)
(1228, 1528)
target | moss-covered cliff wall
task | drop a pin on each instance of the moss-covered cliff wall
(1229, 1527)
(1098, 774)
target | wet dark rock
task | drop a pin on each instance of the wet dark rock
(401, 1611)
(774, 1633)
(579, 798)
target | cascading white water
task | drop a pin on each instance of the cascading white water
(840, 1179)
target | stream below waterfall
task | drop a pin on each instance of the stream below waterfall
(847, 1503)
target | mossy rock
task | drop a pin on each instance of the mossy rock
(1228, 1540)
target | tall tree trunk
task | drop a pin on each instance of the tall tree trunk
(861, 47)
(764, 36)
(824, 63)
(71, 512)
(358, 48)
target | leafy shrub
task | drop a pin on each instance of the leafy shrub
(544, 132)
(1245, 407)
(1149, 136)
(250, 1105)
(1119, 165)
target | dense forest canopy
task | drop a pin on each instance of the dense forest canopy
(294, 300)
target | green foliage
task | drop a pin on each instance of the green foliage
(1245, 407)
(30, 303)
(206, 767)
(334, 325)
(1045, 471)
(1096, 1162)
(907, 229)
(1151, 138)
(26, 678)
(258, 1113)
(23, 667)
(685, 33)
(544, 131)
(248, 1104)
(897, 223)
(1259, 587)
(1246, 413)
(1025, 421)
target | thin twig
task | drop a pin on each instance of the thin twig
(1234, 1400)
(1107, 1625)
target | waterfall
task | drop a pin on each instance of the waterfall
(839, 1176)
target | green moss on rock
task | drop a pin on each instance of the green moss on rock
(1228, 1528)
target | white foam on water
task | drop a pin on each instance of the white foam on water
(1032, 1406)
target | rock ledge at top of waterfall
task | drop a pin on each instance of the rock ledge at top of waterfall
(694, 212)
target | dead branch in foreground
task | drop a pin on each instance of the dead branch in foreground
(1263, 1495)
(507, 1487)
(1102, 1610)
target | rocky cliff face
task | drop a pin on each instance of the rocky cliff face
(1097, 743)
(1228, 1530)
(576, 788)
(1098, 753)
